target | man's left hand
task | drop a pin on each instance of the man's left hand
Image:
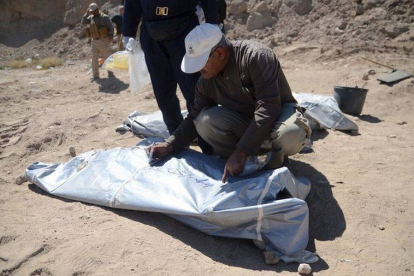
(111, 39)
(235, 164)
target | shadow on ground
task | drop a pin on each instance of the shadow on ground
(327, 222)
(319, 135)
(370, 119)
(111, 85)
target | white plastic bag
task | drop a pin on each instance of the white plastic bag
(117, 62)
(138, 71)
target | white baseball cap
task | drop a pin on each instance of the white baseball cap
(198, 45)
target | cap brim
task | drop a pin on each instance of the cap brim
(191, 65)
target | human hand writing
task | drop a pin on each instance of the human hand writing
(159, 150)
(235, 164)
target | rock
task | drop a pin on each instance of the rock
(237, 7)
(270, 258)
(71, 40)
(369, 4)
(261, 7)
(21, 179)
(365, 77)
(275, 6)
(258, 20)
(72, 151)
(359, 10)
(371, 72)
(338, 31)
(301, 7)
(149, 96)
(381, 227)
(260, 244)
(269, 41)
(304, 269)
(394, 30)
(293, 33)
(60, 139)
(342, 25)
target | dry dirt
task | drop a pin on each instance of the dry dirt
(361, 202)
(360, 183)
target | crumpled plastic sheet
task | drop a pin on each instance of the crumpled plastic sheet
(323, 112)
(138, 72)
(267, 205)
(146, 125)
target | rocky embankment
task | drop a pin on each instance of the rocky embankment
(337, 27)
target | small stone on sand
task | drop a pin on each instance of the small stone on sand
(304, 269)
(21, 179)
(72, 151)
(270, 258)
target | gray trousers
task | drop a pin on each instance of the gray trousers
(222, 128)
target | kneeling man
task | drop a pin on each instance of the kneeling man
(243, 104)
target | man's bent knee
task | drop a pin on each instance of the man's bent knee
(215, 128)
(291, 140)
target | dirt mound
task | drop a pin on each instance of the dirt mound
(29, 28)
(368, 25)
(336, 27)
(21, 21)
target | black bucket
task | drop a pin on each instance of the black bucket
(350, 99)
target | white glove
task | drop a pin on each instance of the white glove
(125, 40)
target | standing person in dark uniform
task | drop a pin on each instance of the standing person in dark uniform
(222, 7)
(117, 20)
(165, 25)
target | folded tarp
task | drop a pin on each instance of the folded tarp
(146, 125)
(267, 205)
(323, 112)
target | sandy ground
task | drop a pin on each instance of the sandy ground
(361, 202)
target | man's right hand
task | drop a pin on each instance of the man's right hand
(160, 149)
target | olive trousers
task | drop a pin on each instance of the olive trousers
(99, 46)
(222, 128)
